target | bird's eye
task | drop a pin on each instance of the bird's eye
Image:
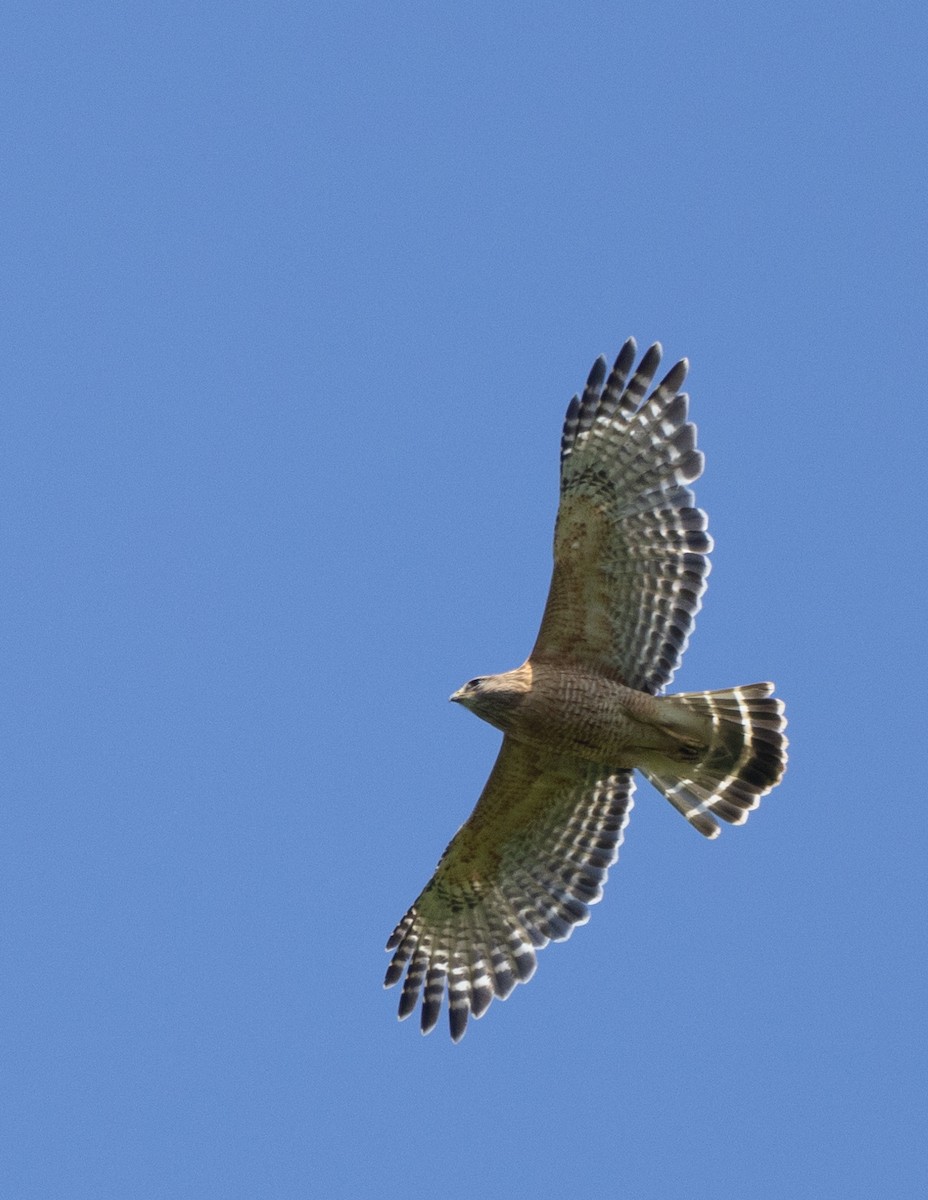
(473, 684)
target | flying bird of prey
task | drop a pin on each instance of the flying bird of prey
(630, 567)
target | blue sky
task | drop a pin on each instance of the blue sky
(293, 303)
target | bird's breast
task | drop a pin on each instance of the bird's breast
(582, 713)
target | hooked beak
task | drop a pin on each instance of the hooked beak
(458, 696)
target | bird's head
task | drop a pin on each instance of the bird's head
(493, 697)
(470, 693)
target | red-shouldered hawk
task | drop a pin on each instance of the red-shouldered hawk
(630, 567)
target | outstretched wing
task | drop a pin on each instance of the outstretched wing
(630, 546)
(522, 871)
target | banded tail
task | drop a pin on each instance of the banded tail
(746, 756)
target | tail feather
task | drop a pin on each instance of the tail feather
(744, 759)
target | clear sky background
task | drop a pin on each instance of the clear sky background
(295, 297)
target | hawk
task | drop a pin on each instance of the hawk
(587, 707)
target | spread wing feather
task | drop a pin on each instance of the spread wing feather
(630, 547)
(522, 871)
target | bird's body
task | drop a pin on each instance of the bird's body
(586, 709)
(581, 713)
